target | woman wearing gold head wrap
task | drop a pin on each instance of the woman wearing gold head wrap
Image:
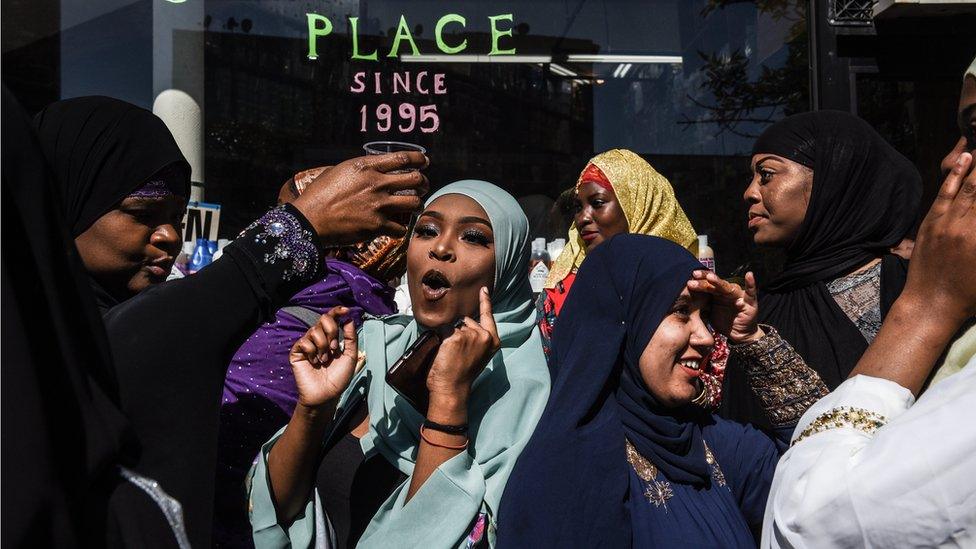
(619, 192)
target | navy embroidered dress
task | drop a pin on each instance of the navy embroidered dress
(610, 466)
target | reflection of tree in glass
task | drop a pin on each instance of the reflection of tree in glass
(775, 93)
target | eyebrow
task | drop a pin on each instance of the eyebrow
(763, 159)
(474, 219)
(467, 219)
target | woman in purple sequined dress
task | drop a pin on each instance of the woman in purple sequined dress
(259, 391)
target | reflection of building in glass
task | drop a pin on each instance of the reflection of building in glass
(684, 83)
(271, 111)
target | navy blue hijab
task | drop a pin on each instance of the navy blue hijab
(570, 485)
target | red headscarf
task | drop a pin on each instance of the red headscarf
(593, 174)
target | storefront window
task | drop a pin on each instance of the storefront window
(520, 93)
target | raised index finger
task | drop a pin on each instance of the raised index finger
(487, 320)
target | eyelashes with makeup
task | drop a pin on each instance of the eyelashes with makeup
(471, 235)
(424, 231)
(476, 237)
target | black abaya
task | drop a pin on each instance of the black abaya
(172, 344)
(64, 436)
(864, 200)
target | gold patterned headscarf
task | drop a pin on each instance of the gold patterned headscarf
(647, 200)
(384, 258)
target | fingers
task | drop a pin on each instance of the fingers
(710, 283)
(951, 186)
(967, 194)
(324, 336)
(483, 335)
(400, 204)
(752, 291)
(403, 160)
(487, 319)
(304, 348)
(350, 343)
(399, 182)
(320, 339)
(391, 228)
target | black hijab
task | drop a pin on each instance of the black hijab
(571, 481)
(864, 200)
(101, 150)
(64, 434)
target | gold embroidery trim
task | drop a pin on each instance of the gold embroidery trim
(717, 475)
(658, 492)
(863, 420)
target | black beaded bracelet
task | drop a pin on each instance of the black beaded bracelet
(449, 429)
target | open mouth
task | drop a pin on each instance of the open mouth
(435, 285)
(693, 365)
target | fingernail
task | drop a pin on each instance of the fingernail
(333, 344)
(484, 290)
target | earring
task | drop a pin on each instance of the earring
(702, 398)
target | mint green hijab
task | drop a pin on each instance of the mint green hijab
(506, 400)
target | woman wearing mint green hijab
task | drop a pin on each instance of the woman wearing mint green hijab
(467, 258)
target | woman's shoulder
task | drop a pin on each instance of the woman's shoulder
(726, 436)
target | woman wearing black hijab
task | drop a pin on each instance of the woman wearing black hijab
(172, 342)
(124, 185)
(836, 197)
(65, 440)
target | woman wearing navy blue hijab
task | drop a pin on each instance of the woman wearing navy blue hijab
(621, 457)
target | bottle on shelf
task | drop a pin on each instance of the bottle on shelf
(705, 254)
(539, 265)
(202, 256)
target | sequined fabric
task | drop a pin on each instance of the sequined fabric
(863, 420)
(287, 241)
(859, 296)
(784, 383)
(170, 508)
(153, 189)
(158, 185)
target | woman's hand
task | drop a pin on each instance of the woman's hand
(323, 370)
(735, 310)
(940, 275)
(463, 355)
(359, 199)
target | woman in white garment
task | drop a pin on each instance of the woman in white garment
(870, 466)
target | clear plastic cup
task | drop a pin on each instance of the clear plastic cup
(386, 147)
